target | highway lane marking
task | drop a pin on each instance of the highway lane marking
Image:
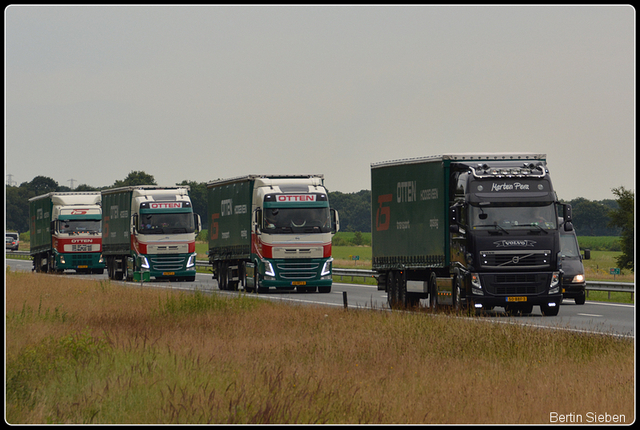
(590, 315)
(623, 305)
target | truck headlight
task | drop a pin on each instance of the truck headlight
(268, 271)
(192, 260)
(326, 269)
(62, 259)
(578, 279)
(554, 286)
(476, 285)
(144, 263)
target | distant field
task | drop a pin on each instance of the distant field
(599, 243)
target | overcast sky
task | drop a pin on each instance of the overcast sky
(200, 93)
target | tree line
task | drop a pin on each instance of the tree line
(611, 217)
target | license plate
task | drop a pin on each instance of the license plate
(299, 283)
(80, 248)
(83, 267)
(516, 299)
(168, 273)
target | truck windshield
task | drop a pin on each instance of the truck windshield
(297, 220)
(513, 217)
(78, 226)
(165, 223)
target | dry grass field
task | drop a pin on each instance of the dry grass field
(96, 352)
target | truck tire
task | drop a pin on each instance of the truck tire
(392, 290)
(580, 299)
(457, 293)
(433, 292)
(117, 274)
(324, 289)
(223, 282)
(401, 287)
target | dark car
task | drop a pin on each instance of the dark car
(573, 281)
(12, 241)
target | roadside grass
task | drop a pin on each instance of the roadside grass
(81, 352)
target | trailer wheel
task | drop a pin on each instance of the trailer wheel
(223, 283)
(117, 274)
(392, 290)
(433, 292)
(401, 287)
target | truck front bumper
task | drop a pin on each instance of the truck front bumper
(485, 302)
(515, 289)
(297, 273)
(79, 261)
(169, 266)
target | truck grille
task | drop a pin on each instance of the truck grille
(79, 259)
(511, 259)
(297, 271)
(516, 283)
(312, 252)
(167, 263)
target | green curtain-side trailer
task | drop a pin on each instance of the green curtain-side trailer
(409, 214)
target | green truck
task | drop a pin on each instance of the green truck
(468, 230)
(65, 232)
(149, 231)
(271, 231)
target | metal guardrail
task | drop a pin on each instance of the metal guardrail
(611, 287)
(353, 273)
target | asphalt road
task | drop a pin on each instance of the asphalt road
(593, 317)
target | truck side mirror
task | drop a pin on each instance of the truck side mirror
(568, 226)
(197, 222)
(257, 220)
(587, 254)
(335, 221)
(134, 223)
(566, 213)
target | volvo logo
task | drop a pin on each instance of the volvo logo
(508, 243)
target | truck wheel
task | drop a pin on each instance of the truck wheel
(433, 292)
(117, 274)
(51, 264)
(550, 311)
(456, 292)
(580, 299)
(392, 290)
(526, 309)
(401, 287)
(324, 289)
(223, 280)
